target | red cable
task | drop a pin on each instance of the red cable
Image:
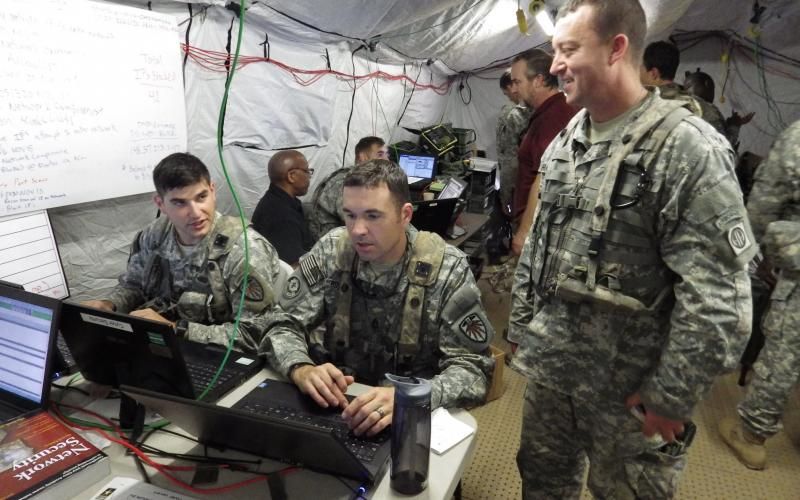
(219, 61)
(162, 468)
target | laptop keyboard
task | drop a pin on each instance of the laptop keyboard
(363, 448)
(202, 374)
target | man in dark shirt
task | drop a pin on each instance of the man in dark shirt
(279, 214)
(530, 73)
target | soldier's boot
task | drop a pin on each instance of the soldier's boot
(748, 447)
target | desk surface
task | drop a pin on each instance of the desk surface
(444, 473)
(471, 223)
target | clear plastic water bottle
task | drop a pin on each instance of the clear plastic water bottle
(411, 434)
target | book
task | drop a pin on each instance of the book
(127, 488)
(40, 455)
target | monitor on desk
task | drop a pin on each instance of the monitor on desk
(28, 327)
(418, 168)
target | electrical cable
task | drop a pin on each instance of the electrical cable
(409, 97)
(446, 21)
(240, 211)
(352, 103)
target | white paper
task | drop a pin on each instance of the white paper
(127, 488)
(447, 431)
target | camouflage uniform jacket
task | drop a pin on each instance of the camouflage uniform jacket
(698, 106)
(776, 192)
(511, 123)
(454, 333)
(205, 291)
(686, 234)
(326, 204)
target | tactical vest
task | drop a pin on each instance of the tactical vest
(578, 255)
(422, 270)
(202, 306)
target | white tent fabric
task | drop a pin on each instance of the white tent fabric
(432, 43)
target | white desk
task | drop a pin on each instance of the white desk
(443, 476)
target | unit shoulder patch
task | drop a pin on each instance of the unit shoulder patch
(473, 328)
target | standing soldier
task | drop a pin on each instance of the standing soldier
(511, 123)
(774, 210)
(631, 294)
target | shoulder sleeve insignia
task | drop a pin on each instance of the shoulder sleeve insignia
(738, 239)
(473, 328)
(311, 270)
(254, 292)
(292, 287)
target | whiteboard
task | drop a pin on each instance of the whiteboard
(91, 98)
(28, 254)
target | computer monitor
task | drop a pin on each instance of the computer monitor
(418, 167)
(28, 326)
(452, 189)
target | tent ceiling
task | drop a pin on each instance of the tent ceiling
(467, 34)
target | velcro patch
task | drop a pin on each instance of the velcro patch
(738, 239)
(473, 328)
(311, 270)
(292, 287)
(254, 292)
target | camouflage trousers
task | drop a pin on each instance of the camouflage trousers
(778, 367)
(560, 432)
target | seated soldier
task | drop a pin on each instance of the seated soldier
(186, 268)
(326, 203)
(392, 299)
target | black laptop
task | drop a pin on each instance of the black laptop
(276, 421)
(115, 349)
(28, 326)
(420, 169)
(434, 215)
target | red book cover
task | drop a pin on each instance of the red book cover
(38, 451)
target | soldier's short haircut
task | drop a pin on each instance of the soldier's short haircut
(373, 173)
(179, 170)
(505, 79)
(663, 56)
(612, 17)
(538, 62)
(366, 143)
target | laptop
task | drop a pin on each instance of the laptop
(276, 420)
(434, 215)
(28, 327)
(114, 349)
(419, 169)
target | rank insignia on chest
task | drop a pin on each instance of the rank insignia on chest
(473, 328)
(423, 269)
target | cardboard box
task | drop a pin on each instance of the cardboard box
(498, 387)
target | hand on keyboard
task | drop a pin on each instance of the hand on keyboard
(370, 412)
(326, 384)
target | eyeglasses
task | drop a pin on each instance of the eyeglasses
(309, 171)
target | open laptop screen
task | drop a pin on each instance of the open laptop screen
(417, 167)
(25, 339)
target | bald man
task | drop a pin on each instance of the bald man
(279, 214)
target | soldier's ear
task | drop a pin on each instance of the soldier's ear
(406, 211)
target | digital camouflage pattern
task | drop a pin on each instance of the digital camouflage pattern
(684, 232)
(511, 123)
(774, 209)
(202, 284)
(454, 332)
(326, 204)
(702, 108)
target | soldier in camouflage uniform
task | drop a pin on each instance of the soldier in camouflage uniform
(631, 293)
(511, 123)
(392, 299)
(186, 268)
(660, 63)
(326, 204)
(774, 210)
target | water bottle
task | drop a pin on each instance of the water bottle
(411, 434)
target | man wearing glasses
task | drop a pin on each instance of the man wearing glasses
(279, 214)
